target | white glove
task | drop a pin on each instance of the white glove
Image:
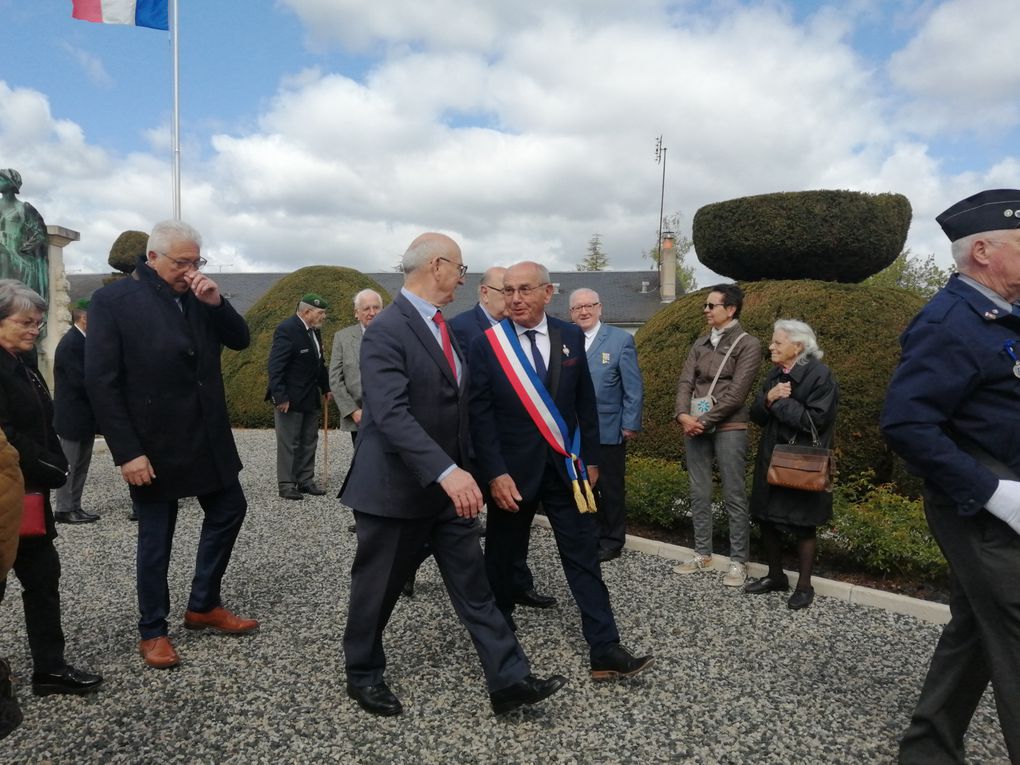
(1004, 504)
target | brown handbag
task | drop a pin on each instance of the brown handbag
(808, 468)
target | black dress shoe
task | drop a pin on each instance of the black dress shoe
(133, 516)
(801, 598)
(10, 711)
(291, 493)
(606, 554)
(75, 516)
(311, 488)
(530, 690)
(532, 599)
(408, 589)
(87, 514)
(619, 662)
(767, 584)
(377, 699)
(71, 680)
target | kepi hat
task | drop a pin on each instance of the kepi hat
(991, 210)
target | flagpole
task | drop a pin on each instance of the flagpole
(175, 139)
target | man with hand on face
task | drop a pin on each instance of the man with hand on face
(344, 363)
(534, 427)
(152, 371)
(612, 360)
(408, 486)
(297, 372)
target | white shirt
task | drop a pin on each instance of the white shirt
(541, 340)
(589, 336)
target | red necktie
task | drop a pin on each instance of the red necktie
(444, 333)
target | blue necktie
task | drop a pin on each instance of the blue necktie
(536, 355)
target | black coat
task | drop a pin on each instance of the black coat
(153, 376)
(26, 416)
(296, 372)
(72, 412)
(814, 393)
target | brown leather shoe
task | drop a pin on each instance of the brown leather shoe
(158, 652)
(219, 619)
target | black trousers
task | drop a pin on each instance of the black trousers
(37, 567)
(981, 643)
(611, 496)
(577, 543)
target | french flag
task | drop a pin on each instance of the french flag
(138, 13)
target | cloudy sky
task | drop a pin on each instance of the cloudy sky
(334, 131)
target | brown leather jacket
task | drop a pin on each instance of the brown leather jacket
(12, 492)
(730, 409)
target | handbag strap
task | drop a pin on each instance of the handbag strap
(815, 441)
(723, 363)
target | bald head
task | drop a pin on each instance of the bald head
(490, 293)
(432, 268)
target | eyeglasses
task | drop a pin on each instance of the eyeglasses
(458, 266)
(29, 326)
(711, 306)
(186, 265)
(523, 291)
(583, 307)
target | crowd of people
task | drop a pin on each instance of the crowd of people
(508, 409)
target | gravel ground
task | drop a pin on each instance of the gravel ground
(738, 679)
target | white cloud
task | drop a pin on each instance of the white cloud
(93, 66)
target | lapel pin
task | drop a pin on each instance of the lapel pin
(566, 351)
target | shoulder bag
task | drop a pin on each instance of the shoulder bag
(808, 468)
(703, 404)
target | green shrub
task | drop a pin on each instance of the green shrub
(245, 374)
(126, 249)
(657, 492)
(842, 236)
(883, 532)
(857, 328)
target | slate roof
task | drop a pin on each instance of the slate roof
(629, 298)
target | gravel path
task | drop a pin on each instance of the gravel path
(738, 679)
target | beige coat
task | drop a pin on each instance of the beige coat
(345, 373)
(12, 493)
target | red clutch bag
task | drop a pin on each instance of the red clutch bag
(33, 520)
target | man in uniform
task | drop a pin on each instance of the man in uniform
(953, 413)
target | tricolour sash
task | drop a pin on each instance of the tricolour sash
(541, 408)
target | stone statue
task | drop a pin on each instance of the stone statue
(23, 240)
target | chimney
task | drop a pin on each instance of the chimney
(667, 268)
(556, 288)
(644, 287)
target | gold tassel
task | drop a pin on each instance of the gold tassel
(579, 500)
(590, 496)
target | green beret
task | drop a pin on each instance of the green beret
(81, 305)
(312, 299)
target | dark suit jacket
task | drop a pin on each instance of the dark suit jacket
(468, 325)
(504, 436)
(153, 375)
(72, 417)
(296, 372)
(414, 420)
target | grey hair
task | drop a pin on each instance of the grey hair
(802, 334)
(167, 232)
(422, 252)
(961, 247)
(303, 306)
(364, 293)
(573, 294)
(15, 298)
(543, 272)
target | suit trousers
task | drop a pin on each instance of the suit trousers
(577, 542)
(79, 457)
(388, 550)
(981, 643)
(611, 496)
(297, 435)
(37, 567)
(224, 513)
(729, 449)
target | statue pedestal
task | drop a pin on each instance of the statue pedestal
(58, 317)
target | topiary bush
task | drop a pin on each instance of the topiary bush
(245, 374)
(857, 328)
(126, 249)
(843, 236)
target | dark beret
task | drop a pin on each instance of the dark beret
(991, 210)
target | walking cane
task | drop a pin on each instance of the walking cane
(325, 445)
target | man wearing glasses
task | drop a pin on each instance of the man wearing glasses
(152, 371)
(612, 360)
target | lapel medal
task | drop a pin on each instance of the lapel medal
(605, 357)
(1016, 370)
(566, 351)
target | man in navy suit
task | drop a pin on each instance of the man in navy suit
(612, 360)
(408, 485)
(72, 417)
(297, 372)
(491, 309)
(523, 469)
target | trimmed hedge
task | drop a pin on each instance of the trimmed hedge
(245, 374)
(126, 249)
(843, 236)
(858, 329)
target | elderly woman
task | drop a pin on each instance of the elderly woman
(798, 392)
(720, 366)
(26, 417)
